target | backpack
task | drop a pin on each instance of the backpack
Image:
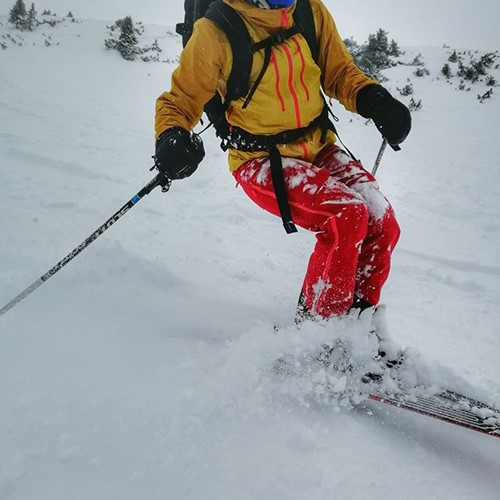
(242, 47)
(230, 22)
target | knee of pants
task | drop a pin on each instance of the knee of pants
(352, 222)
(390, 229)
(346, 227)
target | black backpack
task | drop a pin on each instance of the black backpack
(238, 86)
(230, 22)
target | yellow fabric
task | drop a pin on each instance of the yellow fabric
(289, 95)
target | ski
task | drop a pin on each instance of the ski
(327, 368)
(447, 406)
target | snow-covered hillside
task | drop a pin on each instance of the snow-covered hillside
(142, 370)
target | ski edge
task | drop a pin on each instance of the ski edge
(400, 403)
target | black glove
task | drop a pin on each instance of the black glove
(391, 117)
(178, 153)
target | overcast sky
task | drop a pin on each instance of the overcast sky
(460, 23)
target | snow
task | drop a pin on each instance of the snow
(143, 369)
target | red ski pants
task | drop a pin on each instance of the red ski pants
(355, 225)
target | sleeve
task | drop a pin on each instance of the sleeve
(203, 64)
(340, 77)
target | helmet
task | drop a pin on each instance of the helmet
(273, 4)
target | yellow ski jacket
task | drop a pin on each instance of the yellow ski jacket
(289, 95)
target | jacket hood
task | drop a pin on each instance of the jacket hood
(269, 19)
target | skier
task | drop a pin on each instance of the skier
(281, 136)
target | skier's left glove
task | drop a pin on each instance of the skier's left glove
(178, 153)
(391, 117)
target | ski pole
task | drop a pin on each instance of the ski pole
(381, 153)
(159, 180)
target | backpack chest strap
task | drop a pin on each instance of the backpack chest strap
(277, 38)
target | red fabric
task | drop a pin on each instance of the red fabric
(355, 225)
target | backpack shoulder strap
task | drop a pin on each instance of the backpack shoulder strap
(303, 17)
(233, 26)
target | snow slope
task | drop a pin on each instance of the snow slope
(142, 369)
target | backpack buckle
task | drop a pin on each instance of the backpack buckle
(279, 37)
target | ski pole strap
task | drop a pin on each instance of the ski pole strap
(280, 189)
(333, 128)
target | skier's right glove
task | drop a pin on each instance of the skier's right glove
(391, 117)
(178, 153)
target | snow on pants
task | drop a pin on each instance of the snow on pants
(355, 225)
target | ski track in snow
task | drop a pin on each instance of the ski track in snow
(142, 370)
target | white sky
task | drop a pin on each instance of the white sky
(461, 23)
